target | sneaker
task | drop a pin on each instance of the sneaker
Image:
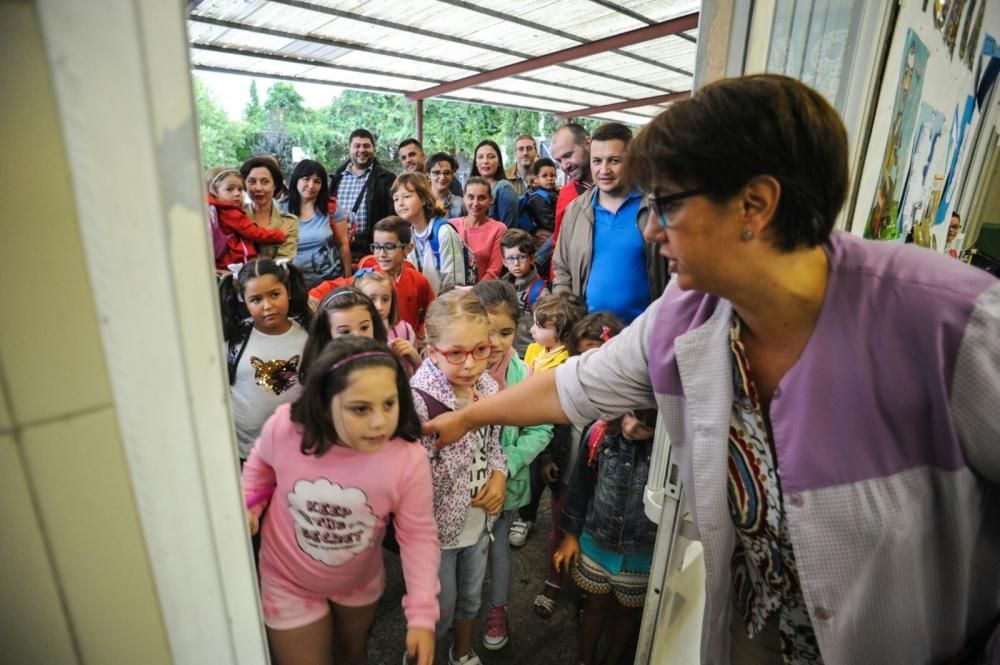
(518, 535)
(468, 659)
(495, 636)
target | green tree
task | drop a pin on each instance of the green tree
(284, 104)
(219, 136)
(283, 121)
(253, 112)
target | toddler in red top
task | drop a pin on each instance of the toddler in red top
(233, 234)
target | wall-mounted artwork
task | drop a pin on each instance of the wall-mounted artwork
(881, 222)
(917, 193)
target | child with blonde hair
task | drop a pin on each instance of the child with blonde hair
(379, 288)
(470, 475)
(233, 233)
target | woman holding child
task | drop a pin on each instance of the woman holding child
(263, 180)
(865, 481)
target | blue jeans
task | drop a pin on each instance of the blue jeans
(462, 573)
(500, 562)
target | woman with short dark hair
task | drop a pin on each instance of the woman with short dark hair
(831, 401)
(442, 169)
(264, 183)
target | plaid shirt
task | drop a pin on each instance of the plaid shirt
(350, 187)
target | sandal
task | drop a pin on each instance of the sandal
(544, 606)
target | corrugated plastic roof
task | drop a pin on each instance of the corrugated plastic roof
(404, 47)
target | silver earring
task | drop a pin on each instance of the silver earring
(746, 235)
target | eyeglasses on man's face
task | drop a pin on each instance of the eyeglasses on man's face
(457, 356)
(437, 173)
(519, 258)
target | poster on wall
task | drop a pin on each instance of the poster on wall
(917, 193)
(954, 159)
(881, 222)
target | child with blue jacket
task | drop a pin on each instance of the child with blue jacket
(608, 540)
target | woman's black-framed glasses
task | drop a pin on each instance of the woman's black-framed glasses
(661, 203)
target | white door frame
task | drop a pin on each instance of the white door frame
(123, 86)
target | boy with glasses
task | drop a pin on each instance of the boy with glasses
(518, 250)
(391, 241)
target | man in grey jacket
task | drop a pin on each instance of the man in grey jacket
(601, 254)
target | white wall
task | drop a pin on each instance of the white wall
(123, 539)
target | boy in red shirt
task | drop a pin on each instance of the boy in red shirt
(391, 242)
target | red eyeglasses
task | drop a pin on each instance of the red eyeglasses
(457, 356)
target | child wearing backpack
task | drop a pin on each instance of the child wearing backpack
(233, 233)
(264, 319)
(520, 444)
(518, 249)
(333, 466)
(437, 252)
(469, 475)
(537, 205)
(608, 540)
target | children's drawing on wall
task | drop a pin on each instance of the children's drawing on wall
(941, 8)
(976, 30)
(917, 191)
(950, 27)
(882, 219)
(956, 150)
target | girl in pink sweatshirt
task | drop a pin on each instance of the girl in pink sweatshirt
(334, 465)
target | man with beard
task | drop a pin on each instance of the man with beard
(362, 188)
(525, 154)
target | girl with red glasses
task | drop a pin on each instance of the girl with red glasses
(470, 475)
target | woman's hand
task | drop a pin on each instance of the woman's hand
(253, 521)
(568, 552)
(449, 427)
(490, 498)
(420, 646)
(550, 473)
(404, 349)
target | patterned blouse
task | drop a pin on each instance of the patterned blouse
(765, 579)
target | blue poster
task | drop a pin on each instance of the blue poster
(956, 151)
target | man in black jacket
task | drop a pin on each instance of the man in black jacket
(362, 189)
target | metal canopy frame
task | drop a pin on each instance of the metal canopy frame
(404, 49)
(560, 57)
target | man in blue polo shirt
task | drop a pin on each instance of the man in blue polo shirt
(601, 254)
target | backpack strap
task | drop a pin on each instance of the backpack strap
(533, 291)
(594, 437)
(236, 350)
(435, 407)
(435, 245)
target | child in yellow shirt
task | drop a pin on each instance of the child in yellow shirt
(554, 317)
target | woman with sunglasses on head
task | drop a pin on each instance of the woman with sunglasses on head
(830, 400)
(443, 171)
(488, 164)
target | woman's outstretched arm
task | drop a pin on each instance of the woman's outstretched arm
(531, 402)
